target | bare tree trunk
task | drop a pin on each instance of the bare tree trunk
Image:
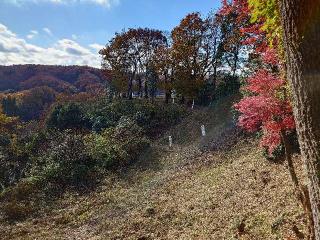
(146, 90)
(168, 95)
(214, 82)
(130, 85)
(235, 63)
(139, 80)
(301, 25)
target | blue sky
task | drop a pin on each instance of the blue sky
(71, 31)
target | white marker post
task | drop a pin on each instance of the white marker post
(192, 104)
(203, 131)
(170, 141)
(173, 95)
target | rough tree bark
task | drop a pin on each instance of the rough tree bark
(301, 27)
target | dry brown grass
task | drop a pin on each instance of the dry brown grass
(180, 193)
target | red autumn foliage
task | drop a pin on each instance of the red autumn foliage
(266, 108)
(264, 83)
(269, 56)
(238, 7)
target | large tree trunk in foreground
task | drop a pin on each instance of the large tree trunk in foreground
(301, 24)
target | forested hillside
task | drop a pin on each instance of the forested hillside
(60, 78)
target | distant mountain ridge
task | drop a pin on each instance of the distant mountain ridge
(60, 78)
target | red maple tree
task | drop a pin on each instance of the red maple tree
(265, 106)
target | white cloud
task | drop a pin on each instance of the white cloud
(72, 47)
(32, 34)
(16, 50)
(47, 30)
(105, 3)
(96, 47)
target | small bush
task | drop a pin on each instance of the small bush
(4, 140)
(13, 162)
(68, 116)
(117, 146)
(65, 161)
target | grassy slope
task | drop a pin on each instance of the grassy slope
(180, 193)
